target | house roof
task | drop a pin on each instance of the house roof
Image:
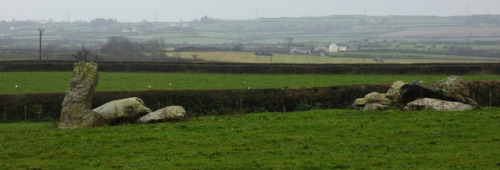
(320, 47)
(339, 44)
(302, 48)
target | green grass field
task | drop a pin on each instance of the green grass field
(327, 139)
(50, 82)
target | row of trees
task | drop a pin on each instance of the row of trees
(122, 46)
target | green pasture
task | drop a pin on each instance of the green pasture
(318, 139)
(50, 82)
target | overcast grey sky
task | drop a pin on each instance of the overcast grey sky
(187, 10)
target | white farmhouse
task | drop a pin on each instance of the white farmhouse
(333, 48)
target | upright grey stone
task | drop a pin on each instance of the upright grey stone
(76, 112)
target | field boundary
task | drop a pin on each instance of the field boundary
(222, 102)
(245, 68)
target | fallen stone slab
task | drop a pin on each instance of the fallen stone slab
(123, 111)
(375, 107)
(436, 104)
(449, 89)
(165, 114)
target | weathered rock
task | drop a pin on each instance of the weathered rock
(167, 113)
(123, 110)
(458, 84)
(450, 89)
(372, 101)
(436, 104)
(394, 92)
(75, 112)
(360, 102)
(375, 107)
(375, 97)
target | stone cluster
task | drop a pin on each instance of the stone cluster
(449, 94)
(76, 108)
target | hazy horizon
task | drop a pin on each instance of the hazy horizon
(177, 10)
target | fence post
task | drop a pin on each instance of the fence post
(5, 113)
(491, 95)
(25, 113)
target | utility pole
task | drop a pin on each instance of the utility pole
(40, 49)
(156, 17)
(467, 10)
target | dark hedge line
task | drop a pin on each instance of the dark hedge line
(221, 102)
(455, 69)
(197, 103)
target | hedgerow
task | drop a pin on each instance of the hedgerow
(221, 102)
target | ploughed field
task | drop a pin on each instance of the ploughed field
(325, 139)
(344, 57)
(51, 82)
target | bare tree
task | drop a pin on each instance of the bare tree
(82, 54)
(289, 41)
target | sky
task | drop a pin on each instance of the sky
(187, 10)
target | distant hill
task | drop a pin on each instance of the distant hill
(306, 30)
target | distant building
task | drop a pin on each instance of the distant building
(263, 54)
(353, 48)
(300, 50)
(320, 48)
(333, 48)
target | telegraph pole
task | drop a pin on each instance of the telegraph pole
(40, 49)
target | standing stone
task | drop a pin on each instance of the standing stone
(167, 113)
(76, 112)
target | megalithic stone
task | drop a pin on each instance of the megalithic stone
(76, 109)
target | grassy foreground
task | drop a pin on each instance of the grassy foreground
(49, 82)
(314, 139)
